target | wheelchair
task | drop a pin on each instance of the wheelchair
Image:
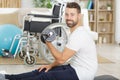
(34, 24)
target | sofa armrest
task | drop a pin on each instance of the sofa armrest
(93, 34)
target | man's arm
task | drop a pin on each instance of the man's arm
(60, 57)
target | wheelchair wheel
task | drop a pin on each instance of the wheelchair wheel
(21, 54)
(30, 62)
(59, 42)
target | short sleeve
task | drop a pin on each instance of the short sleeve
(75, 42)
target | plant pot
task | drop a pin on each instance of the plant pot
(108, 8)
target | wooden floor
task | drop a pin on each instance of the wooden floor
(17, 60)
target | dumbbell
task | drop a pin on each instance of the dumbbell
(48, 35)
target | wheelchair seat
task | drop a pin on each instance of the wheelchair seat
(37, 22)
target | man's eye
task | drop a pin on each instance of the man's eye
(66, 14)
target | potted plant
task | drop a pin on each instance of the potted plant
(42, 3)
(109, 6)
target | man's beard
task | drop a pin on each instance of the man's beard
(72, 24)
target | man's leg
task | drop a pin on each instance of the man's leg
(34, 75)
(57, 73)
(23, 75)
(65, 72)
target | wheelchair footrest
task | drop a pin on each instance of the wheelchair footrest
(6, 53)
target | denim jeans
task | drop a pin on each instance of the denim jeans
(64, 72)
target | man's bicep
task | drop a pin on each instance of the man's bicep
(68, 53)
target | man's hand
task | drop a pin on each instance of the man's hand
(46, 67)
(48, 35)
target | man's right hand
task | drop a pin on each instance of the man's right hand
(48, 35)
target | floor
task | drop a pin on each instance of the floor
(109, 51)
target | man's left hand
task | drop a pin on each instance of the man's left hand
(46, 67)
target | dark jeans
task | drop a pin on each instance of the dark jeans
(64, 72)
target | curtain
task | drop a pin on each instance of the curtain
(10, 3)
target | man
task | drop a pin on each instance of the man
(80, 49)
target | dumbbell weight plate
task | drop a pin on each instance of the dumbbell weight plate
(51, 34)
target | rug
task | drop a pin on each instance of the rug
(41, 61)
(17, 60)
(102, 59)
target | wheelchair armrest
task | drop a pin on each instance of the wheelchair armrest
(44, 16)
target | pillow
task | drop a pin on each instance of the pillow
(105, 77)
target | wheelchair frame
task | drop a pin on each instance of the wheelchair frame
(36, 27)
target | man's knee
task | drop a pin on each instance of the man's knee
(46, 76)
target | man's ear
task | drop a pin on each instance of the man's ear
(80, 15)
(81, 19)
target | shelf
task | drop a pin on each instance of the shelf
(106, 33)
(105, 10)
(102, 18)
(92, 21)
(105, 0)
(105, 22)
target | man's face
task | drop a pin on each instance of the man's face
(71, 17)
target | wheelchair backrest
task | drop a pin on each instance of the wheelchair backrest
(57, 12)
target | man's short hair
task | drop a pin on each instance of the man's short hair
(74, 5)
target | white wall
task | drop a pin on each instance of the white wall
(117, 30)
(26, 3)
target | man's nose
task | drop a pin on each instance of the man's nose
(68, 17)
